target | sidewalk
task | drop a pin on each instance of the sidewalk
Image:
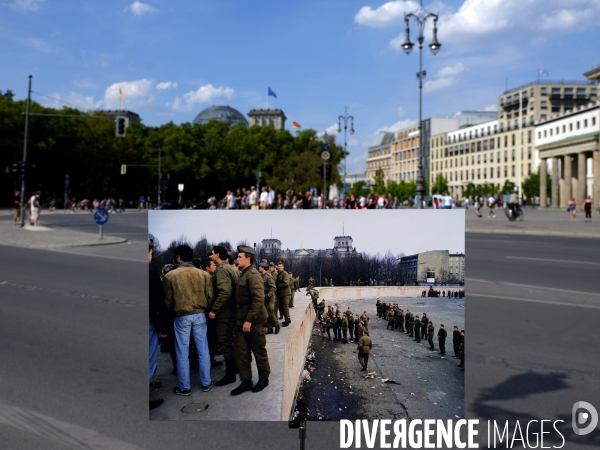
(44, 237)
(537, 222)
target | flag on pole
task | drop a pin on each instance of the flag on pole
(271, 92)
(543, 71)
(121, 95)
(296, 125)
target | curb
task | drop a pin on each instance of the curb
(534, 233)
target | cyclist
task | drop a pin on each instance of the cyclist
(513, 202)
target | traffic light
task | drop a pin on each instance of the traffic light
(16, 171)
(121, 126)
(27, 170)
(328, 169)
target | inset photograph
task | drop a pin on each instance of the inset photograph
(284, 315)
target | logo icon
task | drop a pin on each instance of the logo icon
(579, 418)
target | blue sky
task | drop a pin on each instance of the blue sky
(173, 59)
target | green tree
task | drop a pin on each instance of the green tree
(379, 187)
(440, 185)
(359, 189)
(508, 187)
(531, 185)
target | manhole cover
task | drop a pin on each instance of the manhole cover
(195, 408)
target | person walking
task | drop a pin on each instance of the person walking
(430, 333)
(456, 342)
(572, 207)
(17, 208)
(442, 340)
(363, 349)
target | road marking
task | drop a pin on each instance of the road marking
(96, 256)
(553, 260)
(529, 286)
(530, 300)
(63, 432)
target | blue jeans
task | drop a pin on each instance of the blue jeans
(193, 324)
(153, 347)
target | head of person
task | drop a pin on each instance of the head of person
(245, 257)
(263, 266)
(271, 267)
(280, 266)
(218, 254)
(455, 328)
(230, 259)
(208, 265)
(150, 252)
(197, 262)
(290, 274)
(442, 326)
(183, 253)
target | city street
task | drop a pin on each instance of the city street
(73, 336)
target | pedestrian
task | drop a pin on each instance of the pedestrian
(350, 318)
(572, 208)
(425, 322)
(442, 340)
(587, 207)
(17, 208)
(158, 325)
(462, 349)
(363, 349)
(344, 329)
(357, 328)
(251, 320)
(270, 293)
(35, 206)
(365, 319)
(456, 342)
(292, 288)
(391, 319)
(417, 326)
(491, 204)
(187, 293)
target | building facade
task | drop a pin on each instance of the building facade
(262, 117)
(342, 245)
(433, 267)
(379, 156)
(504, 149)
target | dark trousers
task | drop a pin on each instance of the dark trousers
(335, 333)
(430, 340)
(363, 358)
(442, 344)
(456, 349)
(351, 331)
(254, 343)
(390, 324)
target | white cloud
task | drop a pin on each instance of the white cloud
(38, 44)
(331, 130)
(73, 100)
(204, 94)
(492, 107)
(439, 83)
(399, 126)
(166, 85)
(26, 5)
(139, 8)
(401, 111)
(451, 71)
(136, 93)
(475, 19)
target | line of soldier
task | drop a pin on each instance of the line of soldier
(419, 328)
(221, 301)
(434, 293)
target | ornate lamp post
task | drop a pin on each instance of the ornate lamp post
(420, 16)
(345, 118)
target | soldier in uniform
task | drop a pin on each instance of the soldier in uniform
(430, 333)
(363, 349)
(456, 338)
(400, 320)
(292, 290)
(417, 326)
(442, 340)
(321, 308)
(297, 284)
(325, 322)
(378, 306)
(314, 295)
(222, 309)
(251, 320)
(270, 293)
(462, 349)
(336, 327)
(365, 319)
(357, 328)
(391, 319)
(276, 305)
(409, 322)
(344, 329)
(425, 322)
(350, 318)
(283, 293)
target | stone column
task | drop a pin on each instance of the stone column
(581, 179)
(567, 182)
(543, 186)
(554, 182)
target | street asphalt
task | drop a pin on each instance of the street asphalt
(73, 335)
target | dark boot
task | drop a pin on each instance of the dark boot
(243, 387)
(229, 374)
(260, 385)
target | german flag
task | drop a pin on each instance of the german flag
(121, 95)
(296, 125)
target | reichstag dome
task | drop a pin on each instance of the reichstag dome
(221, 113)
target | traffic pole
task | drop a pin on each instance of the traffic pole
(25, 148)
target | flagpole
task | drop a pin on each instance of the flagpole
(267, 97)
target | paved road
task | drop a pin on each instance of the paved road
(73, 341)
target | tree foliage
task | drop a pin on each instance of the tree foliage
(440, 185)
(531, 185)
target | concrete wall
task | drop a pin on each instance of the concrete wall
(295, 354)
(355, 292)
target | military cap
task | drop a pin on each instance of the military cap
(271, 264)
(247, 250)
(264, 261)
(264, 264)
(279, 262)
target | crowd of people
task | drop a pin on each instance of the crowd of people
(201, 307)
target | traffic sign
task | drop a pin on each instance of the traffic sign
(325, 155)
(326, 147)
(101, 216)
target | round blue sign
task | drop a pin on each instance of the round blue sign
(101, 216)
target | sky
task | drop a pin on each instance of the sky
(397, 231)
(171, 60)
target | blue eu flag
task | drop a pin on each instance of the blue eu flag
(272, 93)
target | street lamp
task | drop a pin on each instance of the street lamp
(345, 118)
(420, 16)
(180, 188)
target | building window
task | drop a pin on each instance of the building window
(585, 123)
(543, 91)
(492, 144)
(544, 104)
(505, 155)
(492, 157)
(528, 152)
(498, 172)
(513, 170)
(529, 137)
(593, 121)
(570, 127)
(505, 171)
(578, 125)
(513, 154)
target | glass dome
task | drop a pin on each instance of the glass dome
(221, 113)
